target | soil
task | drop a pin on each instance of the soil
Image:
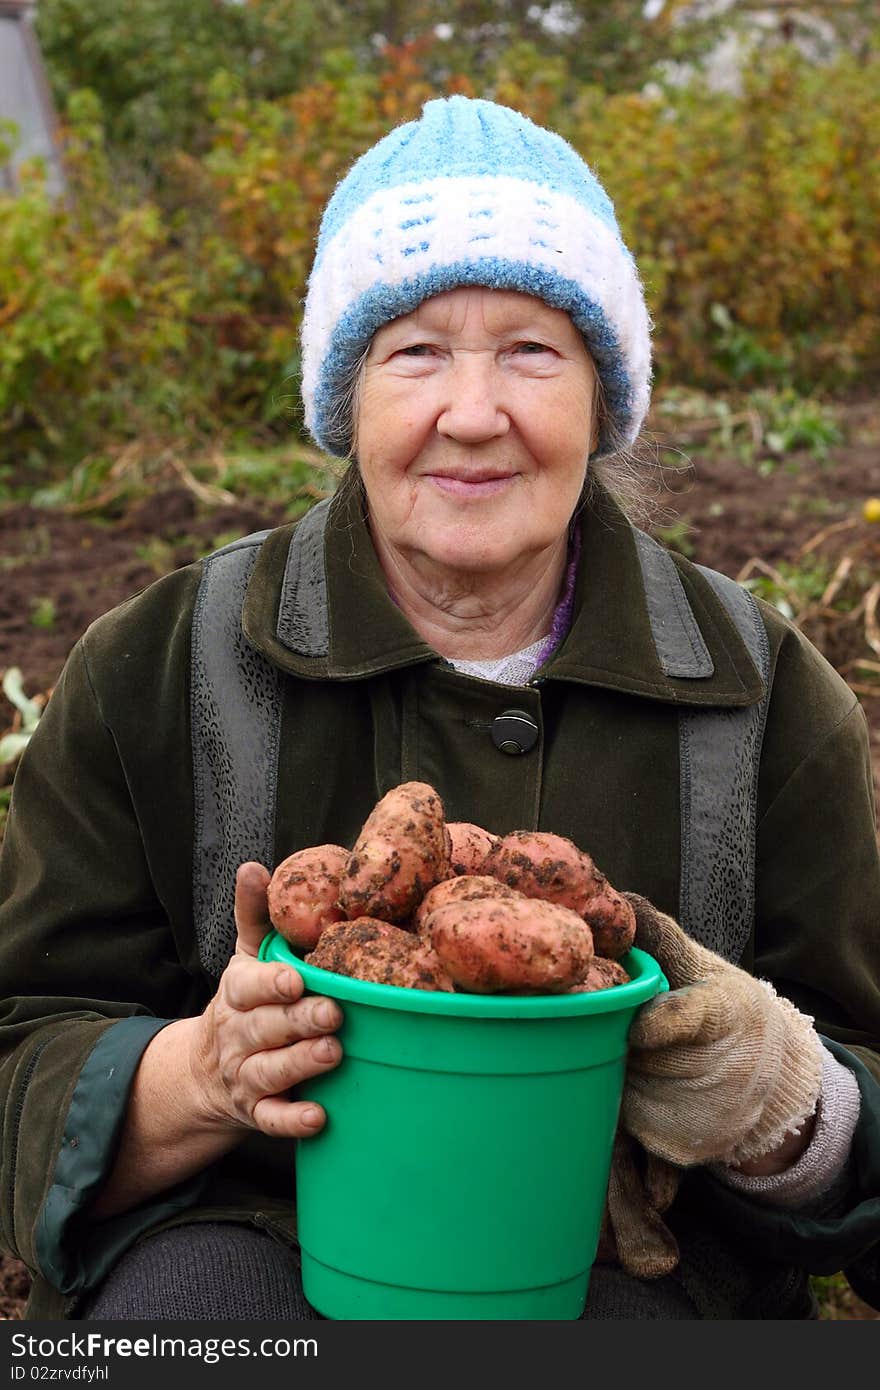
(61, 570)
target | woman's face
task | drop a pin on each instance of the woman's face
(475, 424)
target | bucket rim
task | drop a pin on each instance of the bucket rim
(647, 980)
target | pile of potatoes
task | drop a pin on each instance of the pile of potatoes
(428, 904)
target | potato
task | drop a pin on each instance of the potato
(470, 845)
(422, 970)
(602, 974)
(543, 865)
(377, 951)
(512, 945)
(401, 852)
(458, 890)
(612, 921)
(303, 894)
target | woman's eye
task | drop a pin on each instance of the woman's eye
(416, 350)
(532, 348)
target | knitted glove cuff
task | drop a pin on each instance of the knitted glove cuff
(823, 1161)
(792, 1092)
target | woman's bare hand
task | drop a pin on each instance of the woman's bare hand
(203, 1082)
(260, 1037)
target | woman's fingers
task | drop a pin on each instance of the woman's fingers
(248, 983)
(253, 1080)
(266, 1074)
(263, 992)
(285, 1119)
(682, 960)
(267, 1037)
(262, 1035)
(251, 907)
(696, 1015)
(269, 1026)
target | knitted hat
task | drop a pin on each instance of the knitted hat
(471, 193)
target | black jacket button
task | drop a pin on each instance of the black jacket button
(514, 731)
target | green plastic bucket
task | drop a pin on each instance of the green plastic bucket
(462, 1170)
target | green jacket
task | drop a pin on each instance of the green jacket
(98, 947)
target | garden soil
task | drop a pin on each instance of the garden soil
(60, 569)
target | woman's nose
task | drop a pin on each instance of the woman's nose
(472, 411)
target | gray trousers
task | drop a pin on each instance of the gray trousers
(220, 1271)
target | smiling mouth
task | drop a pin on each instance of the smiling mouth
(471, 484)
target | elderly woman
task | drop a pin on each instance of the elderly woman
(472, 609)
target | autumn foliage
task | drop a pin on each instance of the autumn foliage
(172, 308)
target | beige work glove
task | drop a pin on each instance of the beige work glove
(721, 1068)
(633, 1233)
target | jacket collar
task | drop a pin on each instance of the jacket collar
(645, 623)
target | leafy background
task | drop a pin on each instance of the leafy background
(149, 317)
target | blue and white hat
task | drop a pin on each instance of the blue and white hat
(471, 193)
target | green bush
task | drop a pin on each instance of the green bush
(174, 316)
(150, 61)
(766, 205)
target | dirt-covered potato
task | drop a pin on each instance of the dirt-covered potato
(303, 894)
(377, 951)
(543, 865)
(401, 852)
(612, 921)
(513, 945)
(458, 890)
(602, 974)
(426, 905)
(470, 844)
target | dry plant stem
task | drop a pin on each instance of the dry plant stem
(755, 563)
(304, 453)
(318, 494)
(93, 504)
(745, 417)
(827, 531)
(823, 607)
(208, 493)
(838, 579)
(130, 459)
(855, 614)
(868, 605)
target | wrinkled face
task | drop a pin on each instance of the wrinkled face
(475, 422)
